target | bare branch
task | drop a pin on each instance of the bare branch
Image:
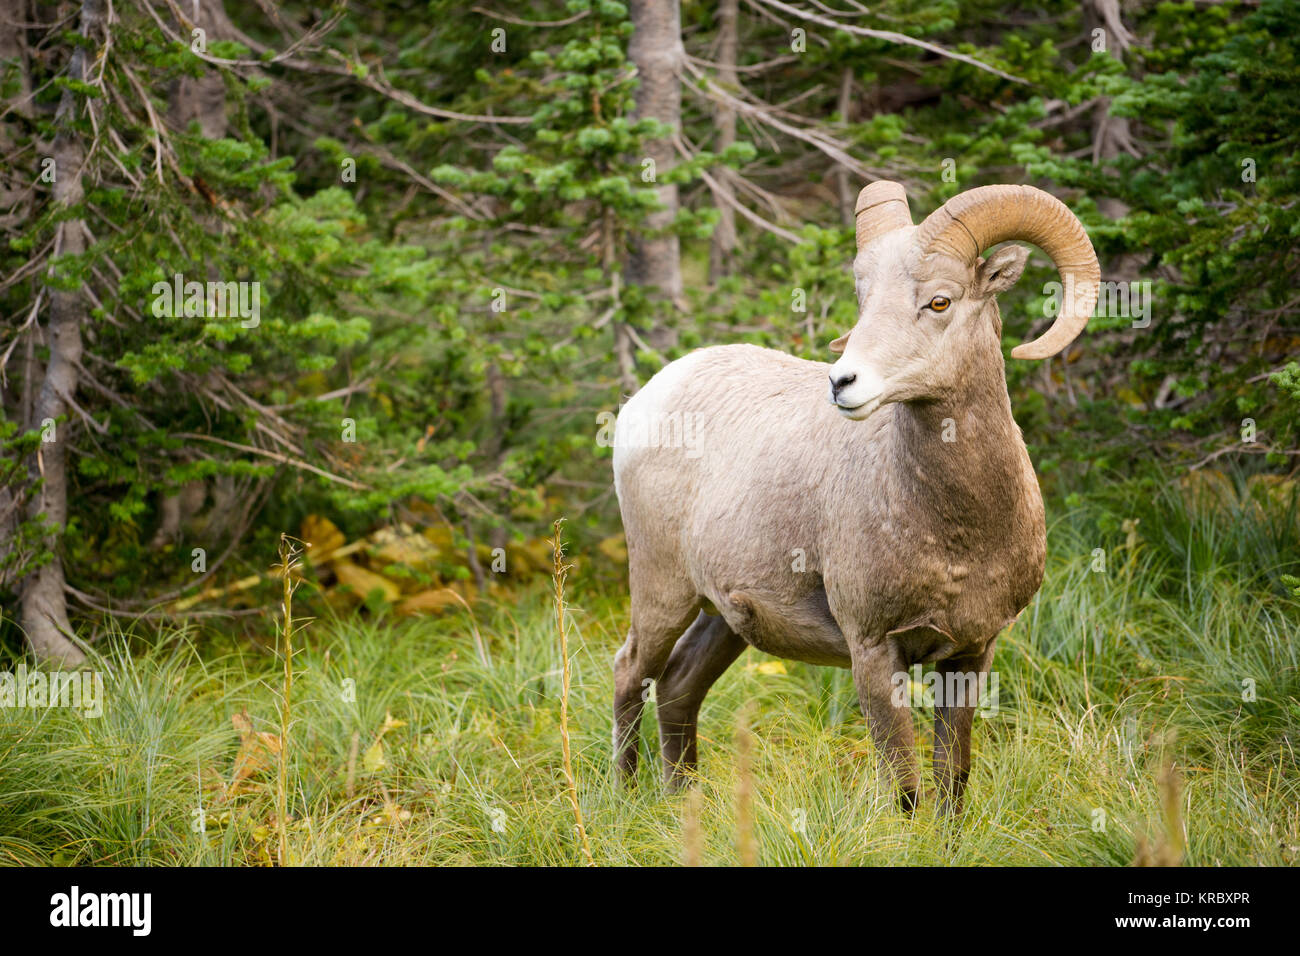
(275, 456)
(531, 23)
(887, 35)
(765, 114)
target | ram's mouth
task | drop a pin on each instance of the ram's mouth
(858, 412)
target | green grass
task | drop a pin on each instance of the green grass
(1105, 677)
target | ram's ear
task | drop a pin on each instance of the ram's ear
(838, 345)
(1001, 270)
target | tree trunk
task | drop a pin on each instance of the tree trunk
(624, 351)
(202, 98)
(15, 209)
(1111, 135)
(657, 53)
(843, 182)
(724, 236)
(44, 602)
(15, 197)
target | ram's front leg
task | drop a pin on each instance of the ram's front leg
(954, 717)
(888, 718)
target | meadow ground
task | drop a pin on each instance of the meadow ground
(1182, 653)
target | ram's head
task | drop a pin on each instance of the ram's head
(927, 313)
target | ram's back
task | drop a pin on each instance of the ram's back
(721, 465)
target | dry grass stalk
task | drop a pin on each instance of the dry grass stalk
(1168, 847)
(746, 840)
(561, 625)
(692, 833)
(290, 562)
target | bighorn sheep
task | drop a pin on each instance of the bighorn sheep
(901, 523)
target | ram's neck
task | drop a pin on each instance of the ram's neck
(964, 456)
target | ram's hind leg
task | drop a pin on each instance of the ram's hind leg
(705, 651)
(657, 622)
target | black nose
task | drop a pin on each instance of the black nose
(842, 382)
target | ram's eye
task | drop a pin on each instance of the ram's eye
(939, 303)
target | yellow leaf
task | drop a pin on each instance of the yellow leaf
(1208, 488)
(614, 548)
(390, 815)
(529, 556)
(428, 602)
(1131, 397)
(374, 761)
(441, 538)
(402, 545)
(1272, 490)
(257, 752)
(771, 667)
(321, 534)
(1130, 529)
(361, 581)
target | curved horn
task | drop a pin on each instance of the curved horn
(969, 223)
(881, 208)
